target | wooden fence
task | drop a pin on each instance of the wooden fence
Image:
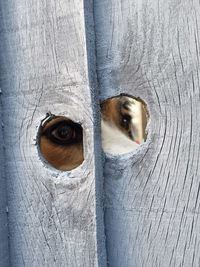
(140, 209)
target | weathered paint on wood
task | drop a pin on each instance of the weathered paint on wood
(151, 49)
(44, 67)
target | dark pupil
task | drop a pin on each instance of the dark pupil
(64, 131)
(126, 121)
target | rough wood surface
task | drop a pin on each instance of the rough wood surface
(44, 67)
(4, 250)
(151, 49)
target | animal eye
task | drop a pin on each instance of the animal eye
(126, 119)
(61, 142)
(64, 133)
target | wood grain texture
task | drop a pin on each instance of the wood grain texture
(4, 248)
(150, 49)
(44, 67)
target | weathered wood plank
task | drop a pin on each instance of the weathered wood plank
(151, 49)
(4, 249)
(52, 215)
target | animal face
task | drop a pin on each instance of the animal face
(123, 124)
(122, 130)
(61, 143)
(127, 114)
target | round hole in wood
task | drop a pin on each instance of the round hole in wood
(123, 124)
(61, 142)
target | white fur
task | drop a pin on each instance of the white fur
(114, 141)
(136, 121)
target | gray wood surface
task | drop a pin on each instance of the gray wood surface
(150, 49)
(44, 67)
(144, 48)
(4, 249)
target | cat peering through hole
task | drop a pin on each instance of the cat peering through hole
(123, 124)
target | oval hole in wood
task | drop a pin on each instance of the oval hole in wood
(61, 142)
(123, 124)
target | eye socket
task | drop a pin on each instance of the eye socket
(126, 120)
(64, 133)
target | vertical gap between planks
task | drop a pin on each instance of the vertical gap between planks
(94, 89)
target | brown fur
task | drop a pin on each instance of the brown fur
(63, 158)
(114, 109)
(67, 157)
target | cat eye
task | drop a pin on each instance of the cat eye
(126, 120)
